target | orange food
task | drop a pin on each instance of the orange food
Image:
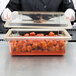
(52, 48)
(62, 47)
(29, 48)
(47, 40)
(46, 35)
(24, 49)
(17, 50)
(14, 42)
(13, 45)
(34, 45)
(57, 47)
(13, 48)
(26, 34)
(62, 43)
(37, 45)
(19, 44)
(20, 36)
(51, 34)
(24, 41)
(30, 41)
(40, 35)
(55, 42)
(24, 45)
(50, 43)
(42, 44)
(32, 34)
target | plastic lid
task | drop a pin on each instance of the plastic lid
(38, 20)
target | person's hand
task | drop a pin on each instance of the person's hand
(70, 14)
(6, 14)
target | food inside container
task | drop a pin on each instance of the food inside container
(37, 41)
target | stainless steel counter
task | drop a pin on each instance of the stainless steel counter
(37, 65)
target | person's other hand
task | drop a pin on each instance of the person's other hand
(70, 14)
(6, 14)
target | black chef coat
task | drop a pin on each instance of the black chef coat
(40, 5)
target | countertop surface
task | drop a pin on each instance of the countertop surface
(37, 65)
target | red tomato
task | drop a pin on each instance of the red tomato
(51, 34)
(57, 47)
(29, 48)
(62, 47)
(24, 44)
(14, 42)
(26, 34)
(34, 45)
(62, 43)
(24, 48)
(14, 45)
(30, 41)
(40, 35)
(17, 50)
(19, 44)
(50, 43)
(46, 35)
(32, 34)
(55, 42)
(52, 48)
(43, 44)
(20, 36)
(47, 40)
(24, 41)
(13, 48)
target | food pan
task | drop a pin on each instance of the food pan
(37, 41)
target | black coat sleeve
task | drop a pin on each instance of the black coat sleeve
(14, 5)
(68, 4)
(65, 5)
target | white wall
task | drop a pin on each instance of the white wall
(3, 4)
(74, 1)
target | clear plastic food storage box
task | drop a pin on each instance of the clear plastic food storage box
(46, 34)
(37, 41)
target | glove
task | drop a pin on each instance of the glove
(6, 14)
(70, 14)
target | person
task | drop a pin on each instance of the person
(40, 5)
